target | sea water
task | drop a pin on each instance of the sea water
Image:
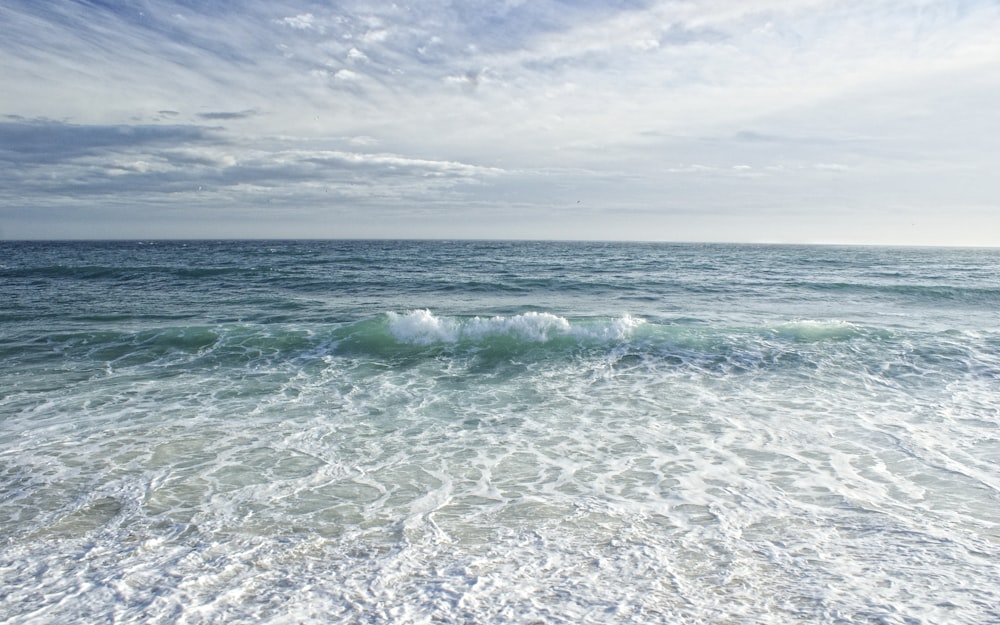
(498, 432)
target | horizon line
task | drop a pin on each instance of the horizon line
(494, 240)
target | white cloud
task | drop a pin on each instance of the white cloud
(375, 36)
(646, 44)
(714, 104)
(305, 21)
(356, 55)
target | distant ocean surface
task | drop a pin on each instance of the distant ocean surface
(498, 432)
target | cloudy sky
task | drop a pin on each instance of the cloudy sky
(831, 121)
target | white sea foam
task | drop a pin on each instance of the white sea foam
(648, 494)
(813, 330)
(423, 327)
(716, 464)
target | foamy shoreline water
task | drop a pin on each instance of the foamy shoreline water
(409, 432)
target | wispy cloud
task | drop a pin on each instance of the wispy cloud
(720, 116)
(227, 115)
(44, 141)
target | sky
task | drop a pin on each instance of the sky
(778, 121)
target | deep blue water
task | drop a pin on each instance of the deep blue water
(502, 432)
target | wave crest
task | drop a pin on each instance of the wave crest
(422, 327)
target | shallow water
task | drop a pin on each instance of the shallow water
(469, 432)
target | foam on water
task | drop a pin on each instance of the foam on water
(525, 466)
(437, 493)
(423, 327)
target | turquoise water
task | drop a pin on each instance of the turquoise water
(498, 432)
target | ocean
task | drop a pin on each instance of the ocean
(498, 432)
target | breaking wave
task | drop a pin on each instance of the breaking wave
(422, 327)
